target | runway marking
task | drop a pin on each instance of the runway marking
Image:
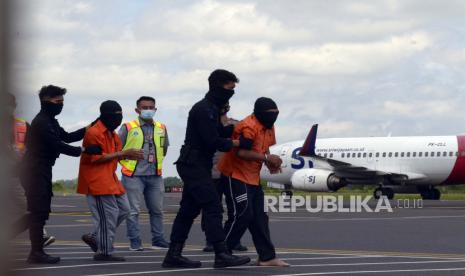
(283, 250)
(210, 261)
(311, 265)
(374, 271)
(360, 252)
(361, 219)
(212, 255)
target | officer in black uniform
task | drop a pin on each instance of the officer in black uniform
(205, 134)
(45, 141)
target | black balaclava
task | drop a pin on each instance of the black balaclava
(216, 93)
(108, 114)
(225, 109)
(265, 117)
(52, 109)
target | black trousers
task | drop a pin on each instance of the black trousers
(247, 203)
(37, 182)
(219, 190)
(199, 194)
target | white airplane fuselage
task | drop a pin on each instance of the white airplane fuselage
(427, 160)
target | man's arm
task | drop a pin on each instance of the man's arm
(48, 133)
(70, 137)
(207, 126)
(131, 154)
(167, 142)
(271, 161)
(123, 134)
(93, 139)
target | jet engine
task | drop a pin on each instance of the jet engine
(316, 180)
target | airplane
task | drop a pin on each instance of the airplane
(416, 164)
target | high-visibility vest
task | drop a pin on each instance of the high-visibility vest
(135, 140)
(20, 129)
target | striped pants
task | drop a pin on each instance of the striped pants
(108, 212)
(247, 204)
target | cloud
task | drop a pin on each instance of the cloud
(358, 68)
(225, 21)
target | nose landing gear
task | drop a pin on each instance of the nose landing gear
(382, 191)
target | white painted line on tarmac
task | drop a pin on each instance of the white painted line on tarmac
(211, 256)
(375, 271)
(362, 219)
(242, 267)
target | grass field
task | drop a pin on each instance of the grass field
(447, 193)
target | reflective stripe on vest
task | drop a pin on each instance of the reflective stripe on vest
(20, 129)
(135, 140)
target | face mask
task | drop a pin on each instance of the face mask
(111, 120)
(147, 114)
(52, 109)
(267, 119)
(220, 96)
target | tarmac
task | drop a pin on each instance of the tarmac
(424, 239)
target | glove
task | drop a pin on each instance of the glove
(245, 143)
(93, 150)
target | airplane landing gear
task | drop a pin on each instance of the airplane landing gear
(388, 192)
(431, 194)
(287, 193)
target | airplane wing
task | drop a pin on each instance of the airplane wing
(355, 174)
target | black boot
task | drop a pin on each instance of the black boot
(40, 257)
(224, 258)
(208, 247)
(174, 258)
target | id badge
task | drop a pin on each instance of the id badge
(151, 158)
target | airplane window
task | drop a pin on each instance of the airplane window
(326, 155)
(330, 155)
(420, 154)
(370, 154)
(432, 154)
(408, 154)
(444, 153)
(463, 153)
(384, 154)
(377, 154)
(359, 155)
(396, 154)
(364, 154)
(342, 155)
(451, 153)
(456, 153)
(438, 154)
(414, 154)
(426, 154)
(401, 154)
(353, 155)
(390, 154)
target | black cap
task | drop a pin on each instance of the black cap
(263, 104)
(109, 107)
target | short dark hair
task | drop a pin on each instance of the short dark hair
(51, 91)
(220, 77)
(144, 98)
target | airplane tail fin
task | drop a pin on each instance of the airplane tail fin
(308, 149)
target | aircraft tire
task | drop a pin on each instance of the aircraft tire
(389, 193)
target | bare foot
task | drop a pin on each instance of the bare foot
(273, 262)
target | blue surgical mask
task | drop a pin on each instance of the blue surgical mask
(147, 114)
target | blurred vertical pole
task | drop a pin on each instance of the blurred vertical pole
(5, 135)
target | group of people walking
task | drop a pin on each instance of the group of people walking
(220, 157)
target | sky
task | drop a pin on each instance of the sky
(357, 68)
